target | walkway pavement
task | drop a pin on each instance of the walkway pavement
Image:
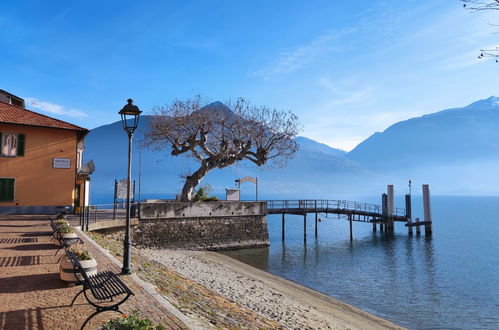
(33, 297)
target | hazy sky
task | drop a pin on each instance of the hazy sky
(347, 68)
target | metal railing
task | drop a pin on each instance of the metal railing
(105, 212)
(324, 204)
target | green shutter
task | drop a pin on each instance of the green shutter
(7, 190)
(21, 138)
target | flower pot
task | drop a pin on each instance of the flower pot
(67, 270)
(70, 235)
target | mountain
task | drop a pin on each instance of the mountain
(449, 137)
(315, 170)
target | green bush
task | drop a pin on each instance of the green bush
(131, 322)
(202, 195)
(65, 229)
(81, 252)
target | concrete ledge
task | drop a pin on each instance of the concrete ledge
(111, 224)
(174, 209)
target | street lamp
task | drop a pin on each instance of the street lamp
(130, 120)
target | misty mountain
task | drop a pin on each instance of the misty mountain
(315, 169)
(454, 136)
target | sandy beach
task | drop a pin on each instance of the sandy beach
(290, 305)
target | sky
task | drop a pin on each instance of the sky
(346, 68)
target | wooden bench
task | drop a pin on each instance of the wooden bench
(103, 287)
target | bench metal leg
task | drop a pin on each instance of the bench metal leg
(98, 312)
(74, 299)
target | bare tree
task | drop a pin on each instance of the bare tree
(480, 4)
(477, 5)
(219, 135)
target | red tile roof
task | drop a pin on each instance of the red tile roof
(16, 115)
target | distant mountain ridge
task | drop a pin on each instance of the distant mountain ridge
(448, 136)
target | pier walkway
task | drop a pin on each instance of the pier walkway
(363, 212)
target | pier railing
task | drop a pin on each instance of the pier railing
(323, 205)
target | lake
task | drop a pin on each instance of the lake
(449, 280)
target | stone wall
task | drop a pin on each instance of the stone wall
(209, 226)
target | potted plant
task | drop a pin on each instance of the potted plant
(86, 260)
(131, 322)
(60, 223)
(66, 231)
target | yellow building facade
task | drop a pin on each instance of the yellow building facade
(40, 162)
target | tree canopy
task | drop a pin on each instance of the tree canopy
(218, 135)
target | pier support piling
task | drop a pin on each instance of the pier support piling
(418, 227)
(315, 224)
(409, 227)
(305, 227)
(427, 209)
(283, 226)
(351, 233)
(374, 227)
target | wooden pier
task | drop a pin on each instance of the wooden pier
(378, 215)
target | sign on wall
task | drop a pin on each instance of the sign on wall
(61, 163)
(120, 189)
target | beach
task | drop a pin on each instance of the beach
(291, 305)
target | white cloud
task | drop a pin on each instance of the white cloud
(54, 108)
(295, 59)
(342, 96)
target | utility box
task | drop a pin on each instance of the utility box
(233, 194)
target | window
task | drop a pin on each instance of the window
(7, 189)
(12, 144)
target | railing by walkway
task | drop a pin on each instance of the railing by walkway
(104, 212)
(330, 206)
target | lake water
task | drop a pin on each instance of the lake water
(447, 281)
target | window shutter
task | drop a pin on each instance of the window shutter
(21, 138)
(7, 190)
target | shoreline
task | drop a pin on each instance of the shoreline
(290, 304)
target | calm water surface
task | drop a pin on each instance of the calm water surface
(447, 281)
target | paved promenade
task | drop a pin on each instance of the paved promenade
(33, 297)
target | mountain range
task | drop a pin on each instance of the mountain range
(455, 150)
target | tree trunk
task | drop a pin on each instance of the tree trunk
(192, 181)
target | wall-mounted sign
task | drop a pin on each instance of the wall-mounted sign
(120, 189)
(61, 163)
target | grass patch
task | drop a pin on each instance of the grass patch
(189, 297)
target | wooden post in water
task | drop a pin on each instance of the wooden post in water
(408, 213)
(418, 227)
(316, 224)
(283, 226)
(374, 227)
(382, 225)
(351, 233)
(409, 227)
(427, 209)
(305, 227)
(390, 206)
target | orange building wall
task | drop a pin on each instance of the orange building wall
(37, 183)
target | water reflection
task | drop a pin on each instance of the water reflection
(415, 281)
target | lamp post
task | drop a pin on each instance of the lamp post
(130, 120)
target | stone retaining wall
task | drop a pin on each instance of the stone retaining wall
(202, 226)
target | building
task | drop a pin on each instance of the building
(40, 161)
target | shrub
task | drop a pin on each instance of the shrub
(81, 252)
(131, 322)
(202, 195)
(65, 229)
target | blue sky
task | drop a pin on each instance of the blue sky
(346, 68)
